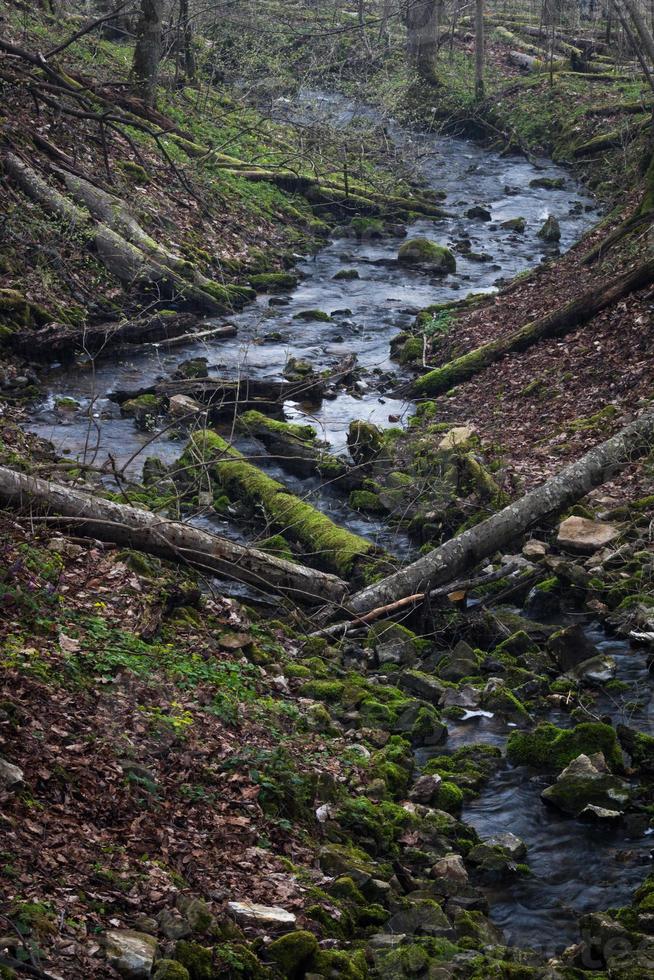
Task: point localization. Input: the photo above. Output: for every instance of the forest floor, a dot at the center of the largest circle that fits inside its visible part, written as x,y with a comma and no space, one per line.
178,750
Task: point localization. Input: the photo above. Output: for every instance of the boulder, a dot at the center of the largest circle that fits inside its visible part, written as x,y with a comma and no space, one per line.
585,536
130,953
597,670
180,405
585,781
428,254
424,917
467,697
461,662
550,230
452,868
571,646
514,224
535,549
364,441
457,436
425,789
421,685
482,214
262,916
11,776
194,367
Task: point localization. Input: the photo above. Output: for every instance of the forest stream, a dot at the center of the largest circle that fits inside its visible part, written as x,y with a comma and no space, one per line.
575,867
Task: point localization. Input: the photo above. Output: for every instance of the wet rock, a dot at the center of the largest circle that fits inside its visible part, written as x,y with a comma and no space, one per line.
597,670
585,781
194,367
498,852
347,274
514,224
130,953
511,191
467,697
11,776
296,368
182,405
548,183
550,230
425,918
593,812
262,916
425,789
364,441
422,723
478,212
476,926
461,662
571,646
422,685
430,255
585,536
452,868
496,697
309,315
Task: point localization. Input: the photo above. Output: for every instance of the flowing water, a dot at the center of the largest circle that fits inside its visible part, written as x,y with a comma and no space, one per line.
575,867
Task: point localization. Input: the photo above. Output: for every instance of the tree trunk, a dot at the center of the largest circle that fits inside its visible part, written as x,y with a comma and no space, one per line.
136,528
479,50
555,324
147,52
452,558
124,260
639,22
422,23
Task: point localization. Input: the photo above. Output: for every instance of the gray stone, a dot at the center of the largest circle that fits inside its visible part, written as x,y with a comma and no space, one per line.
173,924
452,868
181,405
585,782
387,940
422,685
550,230
11,776
130,953
425,789
264,916
598,670
570,647
466,696
584,536
424,917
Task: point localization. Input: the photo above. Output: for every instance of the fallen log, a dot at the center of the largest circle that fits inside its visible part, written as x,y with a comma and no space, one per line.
631,224
133,527
207,455
122,259
60,339
495,533
224,396
555,324
298,450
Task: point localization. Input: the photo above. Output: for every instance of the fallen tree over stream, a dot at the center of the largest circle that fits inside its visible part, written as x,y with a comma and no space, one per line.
132,527
451,559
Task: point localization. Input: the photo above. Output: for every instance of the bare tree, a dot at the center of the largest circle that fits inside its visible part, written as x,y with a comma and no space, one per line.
147,53
479,49
422,19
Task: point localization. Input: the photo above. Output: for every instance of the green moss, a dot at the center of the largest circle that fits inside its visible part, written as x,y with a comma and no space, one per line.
318,315
143,403
411,351
450,798
552,748
376,825
336,963
514,224
364,227
253,420
271,282
367,501
170,970
276,545
331,546
346,274
345,889
292,952
422,251
331,691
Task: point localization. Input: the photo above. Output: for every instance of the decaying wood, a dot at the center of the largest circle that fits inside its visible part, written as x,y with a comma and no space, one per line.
136,528
498,531
124,260
555,324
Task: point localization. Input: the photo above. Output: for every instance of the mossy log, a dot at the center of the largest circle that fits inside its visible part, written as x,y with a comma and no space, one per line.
124,260
61,340
609,141
224,396
466,550
140,529
324,543
555,324
298,450
631,224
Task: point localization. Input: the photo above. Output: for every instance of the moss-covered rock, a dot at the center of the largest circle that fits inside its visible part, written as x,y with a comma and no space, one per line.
170,970
550,231
423,252
272,282
291,953
340,965
551,748
365,441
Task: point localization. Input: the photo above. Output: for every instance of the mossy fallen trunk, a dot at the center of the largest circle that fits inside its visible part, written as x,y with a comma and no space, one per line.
451,559
123,259
323,542
297,449
555,324
140,529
